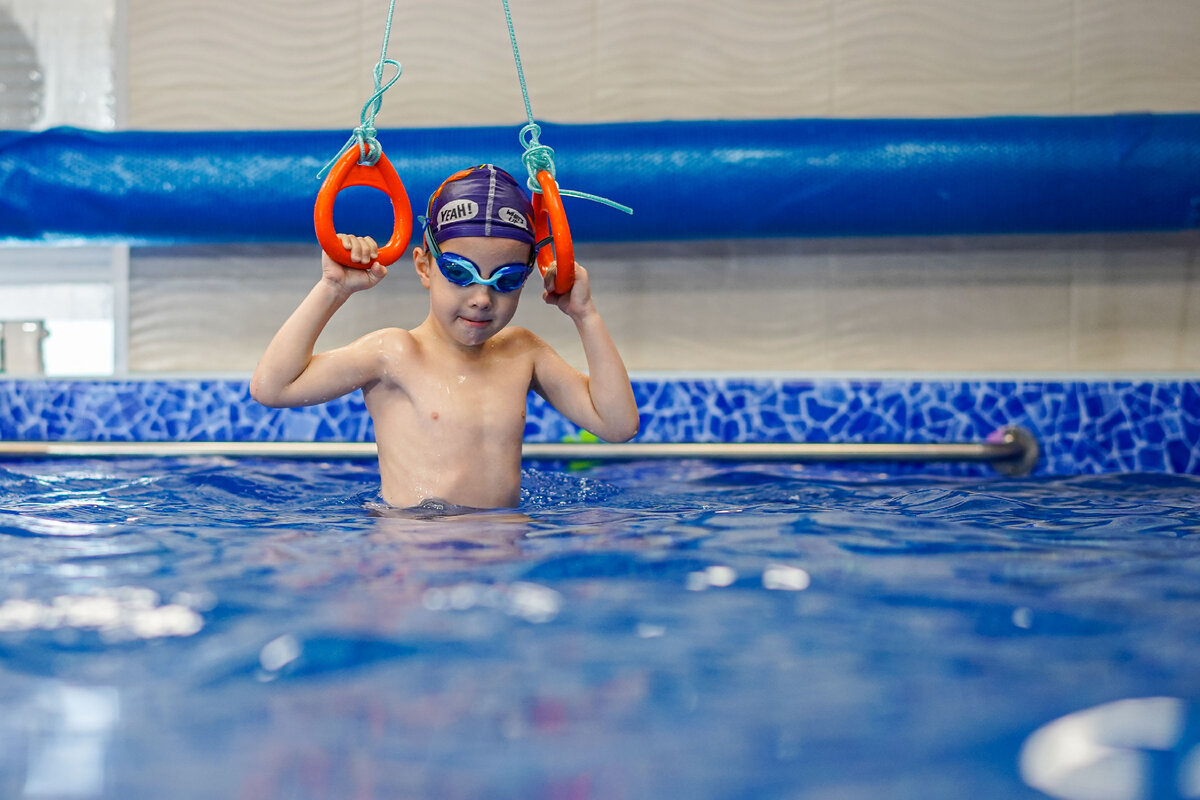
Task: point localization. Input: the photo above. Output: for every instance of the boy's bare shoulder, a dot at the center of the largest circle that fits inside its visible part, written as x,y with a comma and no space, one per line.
394,351
519,338
389,343
390,337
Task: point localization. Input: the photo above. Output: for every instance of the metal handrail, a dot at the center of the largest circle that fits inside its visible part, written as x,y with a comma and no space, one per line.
1013,450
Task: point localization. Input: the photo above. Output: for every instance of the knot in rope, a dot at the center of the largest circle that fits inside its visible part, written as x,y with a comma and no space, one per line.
537,156
369,149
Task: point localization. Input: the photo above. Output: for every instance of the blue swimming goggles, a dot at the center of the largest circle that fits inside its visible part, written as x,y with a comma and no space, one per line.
462,271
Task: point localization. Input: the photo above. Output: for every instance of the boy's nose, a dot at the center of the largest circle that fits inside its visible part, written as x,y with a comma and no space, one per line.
481,296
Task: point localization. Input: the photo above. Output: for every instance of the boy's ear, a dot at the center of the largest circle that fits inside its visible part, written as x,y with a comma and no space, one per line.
424,263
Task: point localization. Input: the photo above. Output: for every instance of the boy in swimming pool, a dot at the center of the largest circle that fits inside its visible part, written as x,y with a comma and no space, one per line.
448,397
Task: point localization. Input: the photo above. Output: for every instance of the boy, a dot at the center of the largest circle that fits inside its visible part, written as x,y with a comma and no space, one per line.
448,397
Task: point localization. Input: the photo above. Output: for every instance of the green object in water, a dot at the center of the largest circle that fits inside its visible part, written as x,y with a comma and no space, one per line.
580,437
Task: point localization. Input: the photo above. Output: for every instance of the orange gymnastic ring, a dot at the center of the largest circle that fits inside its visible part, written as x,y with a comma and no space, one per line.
549,218
381,175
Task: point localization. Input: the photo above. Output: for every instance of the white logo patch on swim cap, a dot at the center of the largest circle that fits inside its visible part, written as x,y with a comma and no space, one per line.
511,216
457,211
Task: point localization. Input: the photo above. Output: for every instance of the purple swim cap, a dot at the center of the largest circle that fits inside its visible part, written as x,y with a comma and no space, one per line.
480,201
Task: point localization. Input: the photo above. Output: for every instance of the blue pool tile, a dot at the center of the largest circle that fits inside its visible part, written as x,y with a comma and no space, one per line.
1083,426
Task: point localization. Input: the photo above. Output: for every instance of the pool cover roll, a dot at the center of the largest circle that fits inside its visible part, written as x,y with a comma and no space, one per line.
685,180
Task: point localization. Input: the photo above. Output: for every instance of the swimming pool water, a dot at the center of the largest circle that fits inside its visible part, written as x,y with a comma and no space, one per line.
216,628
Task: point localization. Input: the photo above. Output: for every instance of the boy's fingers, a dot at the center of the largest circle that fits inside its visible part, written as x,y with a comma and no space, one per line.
362,251
370,250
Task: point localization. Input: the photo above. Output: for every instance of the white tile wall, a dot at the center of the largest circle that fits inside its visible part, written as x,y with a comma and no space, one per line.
998,304
286,64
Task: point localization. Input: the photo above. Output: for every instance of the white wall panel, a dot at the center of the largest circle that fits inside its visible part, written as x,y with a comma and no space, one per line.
224,64
995,304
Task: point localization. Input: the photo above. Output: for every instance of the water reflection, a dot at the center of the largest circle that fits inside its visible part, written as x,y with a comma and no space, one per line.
69,728
1132,749
119,614
529,601
447,541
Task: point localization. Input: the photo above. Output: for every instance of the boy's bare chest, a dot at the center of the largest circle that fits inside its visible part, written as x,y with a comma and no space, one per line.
486,396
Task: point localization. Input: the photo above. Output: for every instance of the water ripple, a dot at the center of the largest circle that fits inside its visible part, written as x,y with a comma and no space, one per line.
763,619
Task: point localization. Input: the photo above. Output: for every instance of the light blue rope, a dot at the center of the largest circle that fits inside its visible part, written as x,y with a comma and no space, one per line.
369,149
537,156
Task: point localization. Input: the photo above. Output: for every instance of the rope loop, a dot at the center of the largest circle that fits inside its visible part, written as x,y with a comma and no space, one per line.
369,149
375,101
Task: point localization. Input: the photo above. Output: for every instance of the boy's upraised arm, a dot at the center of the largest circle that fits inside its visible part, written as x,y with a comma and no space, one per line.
288,373
601,401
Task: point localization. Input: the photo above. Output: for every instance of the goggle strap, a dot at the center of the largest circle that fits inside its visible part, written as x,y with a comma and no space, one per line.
427,236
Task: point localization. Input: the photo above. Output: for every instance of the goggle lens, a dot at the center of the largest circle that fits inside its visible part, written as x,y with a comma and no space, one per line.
456,273
511,281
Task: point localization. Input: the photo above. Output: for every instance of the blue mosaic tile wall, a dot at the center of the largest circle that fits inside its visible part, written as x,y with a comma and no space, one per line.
1082,426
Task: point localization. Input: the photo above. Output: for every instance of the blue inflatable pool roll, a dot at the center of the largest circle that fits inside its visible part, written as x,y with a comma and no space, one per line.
685,180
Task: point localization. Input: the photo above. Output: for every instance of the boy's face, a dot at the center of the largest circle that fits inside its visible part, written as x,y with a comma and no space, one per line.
471,314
